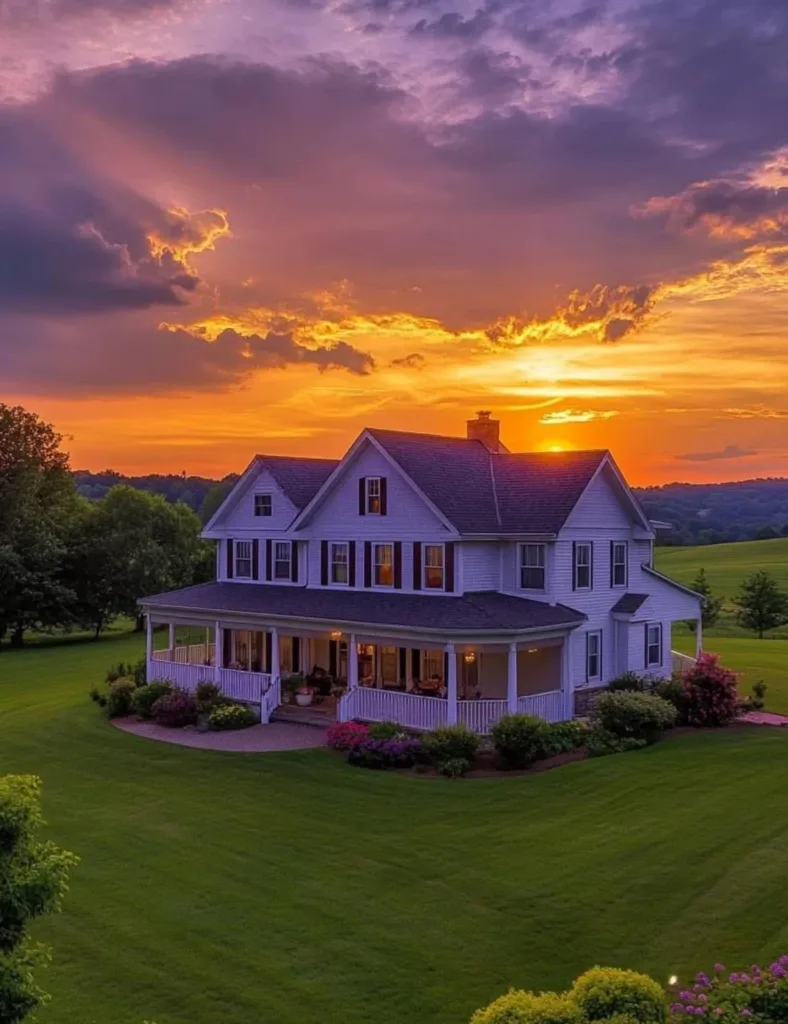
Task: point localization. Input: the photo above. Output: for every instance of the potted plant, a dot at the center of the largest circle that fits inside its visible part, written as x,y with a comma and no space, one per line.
303,696
290,683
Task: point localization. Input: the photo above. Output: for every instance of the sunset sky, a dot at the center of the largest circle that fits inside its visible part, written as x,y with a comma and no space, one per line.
230,226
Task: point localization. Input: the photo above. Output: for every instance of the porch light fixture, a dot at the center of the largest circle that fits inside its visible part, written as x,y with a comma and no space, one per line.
336,634
532,650
470,657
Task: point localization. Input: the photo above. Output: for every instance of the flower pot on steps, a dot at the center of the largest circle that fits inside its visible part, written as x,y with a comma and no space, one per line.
303,698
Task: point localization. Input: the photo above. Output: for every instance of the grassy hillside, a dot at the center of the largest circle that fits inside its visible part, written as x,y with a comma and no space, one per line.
726,565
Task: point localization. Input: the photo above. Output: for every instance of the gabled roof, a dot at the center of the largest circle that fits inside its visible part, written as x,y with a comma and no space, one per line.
483,492
628,604
300,479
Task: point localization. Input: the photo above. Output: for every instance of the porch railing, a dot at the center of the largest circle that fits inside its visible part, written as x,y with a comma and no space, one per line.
680,662
548,706
191,654
481,715
408,709
249,687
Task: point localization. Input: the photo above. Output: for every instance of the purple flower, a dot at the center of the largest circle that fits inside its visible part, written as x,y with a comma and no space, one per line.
746,1013
677,1008
733,978
719,968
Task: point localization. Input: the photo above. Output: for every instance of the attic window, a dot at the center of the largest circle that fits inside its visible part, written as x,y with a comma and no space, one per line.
263,506
373,496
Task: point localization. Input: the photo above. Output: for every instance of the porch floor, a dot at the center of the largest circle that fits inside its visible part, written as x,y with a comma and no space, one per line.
318,715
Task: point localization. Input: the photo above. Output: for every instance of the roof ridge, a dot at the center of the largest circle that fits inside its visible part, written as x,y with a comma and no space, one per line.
495,490
298,458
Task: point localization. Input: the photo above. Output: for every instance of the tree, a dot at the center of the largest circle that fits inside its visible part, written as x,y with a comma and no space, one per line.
37,499
33,881
215,496
762,605
711,605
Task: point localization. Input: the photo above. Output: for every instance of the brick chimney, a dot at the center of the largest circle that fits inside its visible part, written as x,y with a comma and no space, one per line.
486,430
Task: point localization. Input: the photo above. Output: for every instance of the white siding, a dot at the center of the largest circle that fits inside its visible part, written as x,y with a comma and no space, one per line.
479,565
239,519
601,508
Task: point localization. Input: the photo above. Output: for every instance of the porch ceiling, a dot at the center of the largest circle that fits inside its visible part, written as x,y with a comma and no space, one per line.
483,613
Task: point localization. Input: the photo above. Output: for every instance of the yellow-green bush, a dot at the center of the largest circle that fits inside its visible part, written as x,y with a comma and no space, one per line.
519,1007
605,992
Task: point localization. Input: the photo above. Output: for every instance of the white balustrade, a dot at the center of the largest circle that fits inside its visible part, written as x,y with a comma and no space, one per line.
407,709
246,686
270,700
548,706
481,715
680,662
236,684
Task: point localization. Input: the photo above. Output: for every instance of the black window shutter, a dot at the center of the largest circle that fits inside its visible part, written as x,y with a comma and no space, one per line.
574,587
403,663
296,642
268,559
591,565
445,668
415,663
612,563
351,569
645,645
398,565
255,559
324,563
417,565
362,496
367,563
333,661
229,559
294,561
268,651
449,569
227,647
587,643
601,655
383,496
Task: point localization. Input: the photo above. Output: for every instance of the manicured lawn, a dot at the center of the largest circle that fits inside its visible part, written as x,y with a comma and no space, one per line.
726,565
754,659
231,889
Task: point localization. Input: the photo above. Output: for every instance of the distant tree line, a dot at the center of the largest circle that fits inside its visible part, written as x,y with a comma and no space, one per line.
201,494
68,562
760,604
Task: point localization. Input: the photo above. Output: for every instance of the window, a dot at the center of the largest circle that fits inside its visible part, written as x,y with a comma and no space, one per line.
583,570
618,563
384,565
243,559
532,566
653,644
339,564
433,567
594,655
282,559
263,505
373,496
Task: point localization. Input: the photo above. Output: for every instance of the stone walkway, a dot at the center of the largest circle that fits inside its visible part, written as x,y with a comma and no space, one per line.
258,739
764,718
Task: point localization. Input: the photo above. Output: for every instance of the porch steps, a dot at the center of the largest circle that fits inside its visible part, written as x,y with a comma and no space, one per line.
294,715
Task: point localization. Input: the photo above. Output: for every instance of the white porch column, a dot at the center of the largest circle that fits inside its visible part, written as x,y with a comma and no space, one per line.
451,686
567,683
699,638
511,680
217,666
352,662
171,637
148,640
275,664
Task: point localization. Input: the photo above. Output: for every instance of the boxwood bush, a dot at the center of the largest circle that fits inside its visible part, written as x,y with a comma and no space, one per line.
519,1007
604,992
519,740
639,716
232,716
145,697
452,743
120,697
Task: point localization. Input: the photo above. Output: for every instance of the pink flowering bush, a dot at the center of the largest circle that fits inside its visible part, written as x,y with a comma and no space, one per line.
347,735
755,996
710,692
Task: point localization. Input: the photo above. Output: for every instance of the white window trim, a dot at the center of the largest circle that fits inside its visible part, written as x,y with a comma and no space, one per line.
442,587
598,677
260,515
379,495
338,544
237,557
520,567
578,545
274,560
613,584
382,544
649,645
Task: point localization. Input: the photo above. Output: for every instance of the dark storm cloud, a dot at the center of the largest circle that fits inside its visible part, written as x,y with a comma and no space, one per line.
725,208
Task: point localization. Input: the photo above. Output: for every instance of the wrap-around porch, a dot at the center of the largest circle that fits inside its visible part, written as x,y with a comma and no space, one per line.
420,682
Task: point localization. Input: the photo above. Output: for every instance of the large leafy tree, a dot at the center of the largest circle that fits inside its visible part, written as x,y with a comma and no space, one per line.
761,603
33,881
37,500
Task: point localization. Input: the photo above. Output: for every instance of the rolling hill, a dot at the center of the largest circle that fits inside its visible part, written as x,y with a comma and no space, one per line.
726,565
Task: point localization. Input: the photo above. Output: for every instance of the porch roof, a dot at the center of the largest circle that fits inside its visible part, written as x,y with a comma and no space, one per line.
485,611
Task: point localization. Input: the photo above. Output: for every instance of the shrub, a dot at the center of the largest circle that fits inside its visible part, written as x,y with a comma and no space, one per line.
145,697
519,740
454,767
370,753
563,737
175,709
758,994
758,695
640,716
600,742
119,698
710,692
452,743
139,672
232,716
387,731
672,690
518,1007
97,696
208,696
344,735
604,992
119,671
629,681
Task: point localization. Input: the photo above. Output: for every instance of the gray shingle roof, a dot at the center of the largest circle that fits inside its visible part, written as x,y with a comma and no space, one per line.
478,612
483,492
628,604
300,479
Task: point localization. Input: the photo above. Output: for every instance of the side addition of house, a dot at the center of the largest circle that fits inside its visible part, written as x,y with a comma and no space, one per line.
426,580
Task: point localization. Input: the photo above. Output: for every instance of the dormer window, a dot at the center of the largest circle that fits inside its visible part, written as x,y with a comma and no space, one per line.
373,495
263,505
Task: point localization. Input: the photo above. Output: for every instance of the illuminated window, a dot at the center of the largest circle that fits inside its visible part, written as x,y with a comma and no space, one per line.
433,567
384,565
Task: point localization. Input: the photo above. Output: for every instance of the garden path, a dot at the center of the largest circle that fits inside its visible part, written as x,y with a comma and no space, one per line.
257,739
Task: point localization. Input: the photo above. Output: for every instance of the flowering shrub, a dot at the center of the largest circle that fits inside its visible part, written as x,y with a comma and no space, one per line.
710,692
232,716
519,1007
344,735
604,992
757,996
146,696
175,710
370,753
631,715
